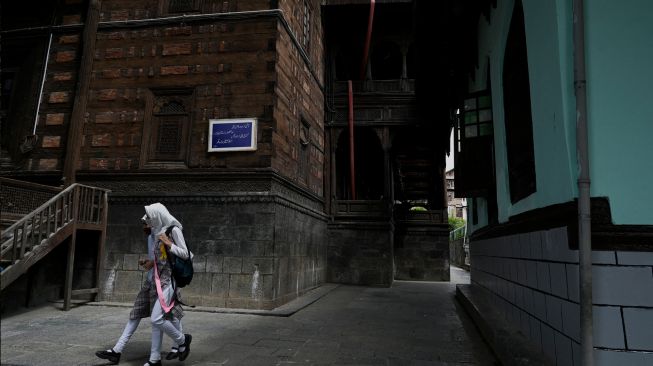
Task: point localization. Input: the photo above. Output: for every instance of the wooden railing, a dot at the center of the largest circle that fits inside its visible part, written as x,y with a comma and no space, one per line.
28,240
362,209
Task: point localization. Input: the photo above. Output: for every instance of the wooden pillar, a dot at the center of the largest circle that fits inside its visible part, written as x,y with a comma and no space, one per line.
334,189
104,217
81,93
387,171
70,263
386,144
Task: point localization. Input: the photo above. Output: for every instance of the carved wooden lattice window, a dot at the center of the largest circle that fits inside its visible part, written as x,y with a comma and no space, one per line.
306,26
167,132
180,6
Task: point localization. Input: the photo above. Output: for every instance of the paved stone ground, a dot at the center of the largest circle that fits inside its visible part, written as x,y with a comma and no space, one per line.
412,323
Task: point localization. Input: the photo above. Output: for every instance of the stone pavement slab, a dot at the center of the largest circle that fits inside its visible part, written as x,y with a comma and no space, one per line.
411,323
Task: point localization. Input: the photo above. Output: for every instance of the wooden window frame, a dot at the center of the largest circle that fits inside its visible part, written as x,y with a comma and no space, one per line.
157,102
474,153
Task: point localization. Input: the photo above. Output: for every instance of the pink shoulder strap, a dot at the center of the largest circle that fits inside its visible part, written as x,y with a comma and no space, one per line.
162,300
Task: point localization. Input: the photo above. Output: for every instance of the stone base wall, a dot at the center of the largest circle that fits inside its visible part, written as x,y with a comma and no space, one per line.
251,250
361,253
534,281
422,252
300,253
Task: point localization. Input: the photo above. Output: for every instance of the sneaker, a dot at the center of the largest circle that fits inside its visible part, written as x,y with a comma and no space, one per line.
110,354
174,353
184,354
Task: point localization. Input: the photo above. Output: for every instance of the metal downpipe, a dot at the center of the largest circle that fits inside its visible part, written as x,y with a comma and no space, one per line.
584,214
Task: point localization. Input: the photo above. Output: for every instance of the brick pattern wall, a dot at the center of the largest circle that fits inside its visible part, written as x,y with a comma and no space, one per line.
534,277
226,66
58,95
293,11
298,97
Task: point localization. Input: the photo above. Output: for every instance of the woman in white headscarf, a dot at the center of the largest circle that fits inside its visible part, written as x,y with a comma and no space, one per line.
162,293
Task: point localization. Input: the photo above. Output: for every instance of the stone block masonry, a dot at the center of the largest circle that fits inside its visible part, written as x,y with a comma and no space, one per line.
534,279
361,253
249,252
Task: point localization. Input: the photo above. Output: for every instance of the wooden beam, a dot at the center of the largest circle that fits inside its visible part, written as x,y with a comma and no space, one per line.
85,291
70,263
99,265
81,94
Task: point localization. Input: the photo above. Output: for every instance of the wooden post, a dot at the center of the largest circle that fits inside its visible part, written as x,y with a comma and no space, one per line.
387,167
352,168
70,263
81,93
103,215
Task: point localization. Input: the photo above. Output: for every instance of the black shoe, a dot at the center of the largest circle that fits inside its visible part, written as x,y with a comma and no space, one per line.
150,363
183,354
173,354
111,355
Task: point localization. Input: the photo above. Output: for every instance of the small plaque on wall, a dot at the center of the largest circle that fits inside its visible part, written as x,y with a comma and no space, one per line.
237,134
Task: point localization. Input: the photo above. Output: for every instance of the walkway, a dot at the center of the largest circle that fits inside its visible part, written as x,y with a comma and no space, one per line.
412,323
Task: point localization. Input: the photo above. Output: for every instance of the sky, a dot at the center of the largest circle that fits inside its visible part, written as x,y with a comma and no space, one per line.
450,157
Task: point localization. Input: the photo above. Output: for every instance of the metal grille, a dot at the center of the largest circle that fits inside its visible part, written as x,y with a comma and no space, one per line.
172,108
19,200
169,136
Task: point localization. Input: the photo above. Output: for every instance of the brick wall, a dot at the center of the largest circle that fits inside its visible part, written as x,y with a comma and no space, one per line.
299,103
57,99
534,277
225,65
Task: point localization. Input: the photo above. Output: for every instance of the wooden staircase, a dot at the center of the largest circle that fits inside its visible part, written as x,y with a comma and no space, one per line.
32,237
417,173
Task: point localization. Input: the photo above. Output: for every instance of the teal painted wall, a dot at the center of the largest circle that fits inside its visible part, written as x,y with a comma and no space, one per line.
548,33
619,46
619,40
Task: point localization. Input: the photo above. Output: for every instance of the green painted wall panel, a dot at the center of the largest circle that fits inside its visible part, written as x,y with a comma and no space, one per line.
620,106
552,103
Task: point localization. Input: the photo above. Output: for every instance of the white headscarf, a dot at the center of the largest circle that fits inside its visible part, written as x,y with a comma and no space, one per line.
159,218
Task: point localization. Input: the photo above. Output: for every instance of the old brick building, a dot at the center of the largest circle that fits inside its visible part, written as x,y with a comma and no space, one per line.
119,94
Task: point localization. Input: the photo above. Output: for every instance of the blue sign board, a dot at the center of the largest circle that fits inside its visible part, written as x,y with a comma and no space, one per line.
238,134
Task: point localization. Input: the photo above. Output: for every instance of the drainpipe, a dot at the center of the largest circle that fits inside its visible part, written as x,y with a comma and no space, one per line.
352,171
584,216
45,71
